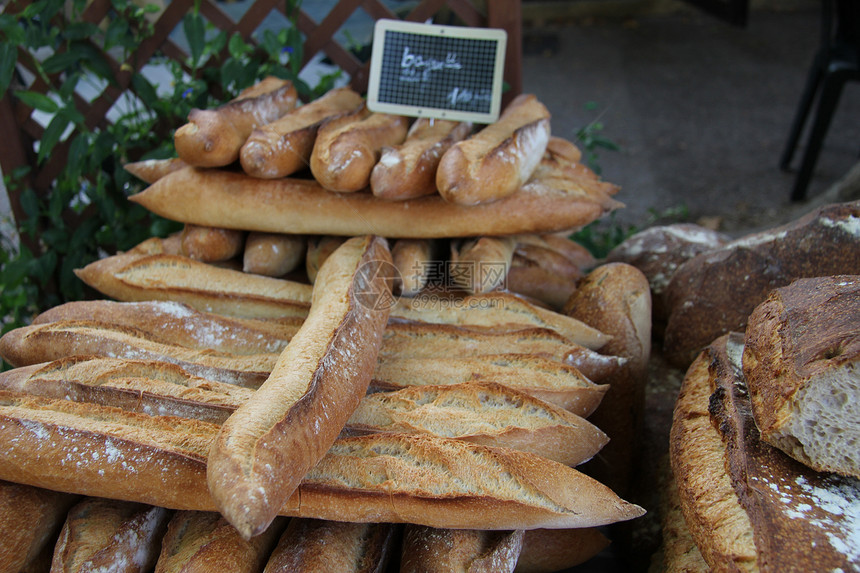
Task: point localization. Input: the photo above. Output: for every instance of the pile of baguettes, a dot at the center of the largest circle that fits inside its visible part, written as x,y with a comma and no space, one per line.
765,441
213,411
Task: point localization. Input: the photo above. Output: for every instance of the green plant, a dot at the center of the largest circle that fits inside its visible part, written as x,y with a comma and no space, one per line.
84,213
591,140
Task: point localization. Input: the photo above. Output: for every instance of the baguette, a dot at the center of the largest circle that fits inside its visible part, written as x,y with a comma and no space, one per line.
105,534
284,146
129,278
210,244
433,550
273,254
319,249
347,148
170,245
213,138
151,170
413,259
33,344
265,448
495,162
408,171
431,480
542,273
200,541
549,550
322,545
498,311
481,265
801,366
144,386
220,198
553,382
578,255
483,413
30,521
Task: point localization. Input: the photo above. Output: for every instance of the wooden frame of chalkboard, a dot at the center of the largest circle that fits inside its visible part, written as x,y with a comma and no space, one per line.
427,70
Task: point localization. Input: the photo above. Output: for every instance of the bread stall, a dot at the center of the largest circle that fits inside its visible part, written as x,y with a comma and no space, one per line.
371,346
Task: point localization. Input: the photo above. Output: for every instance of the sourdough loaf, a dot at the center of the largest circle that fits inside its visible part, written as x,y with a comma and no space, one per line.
715,292
802,367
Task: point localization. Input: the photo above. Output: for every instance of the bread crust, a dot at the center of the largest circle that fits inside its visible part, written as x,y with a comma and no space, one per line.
434,550
413,260
347,148
481,265
500,158
211,244
408,170
273,254
213,137
549,550
151,170
796,342
265,448
283,146
288,205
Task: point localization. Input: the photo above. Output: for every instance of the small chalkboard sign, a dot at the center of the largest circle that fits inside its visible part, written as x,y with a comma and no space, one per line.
426,70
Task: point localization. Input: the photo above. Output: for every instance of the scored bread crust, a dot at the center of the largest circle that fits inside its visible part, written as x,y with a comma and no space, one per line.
717,522
800,361
433,550
290,205
132,277
161,460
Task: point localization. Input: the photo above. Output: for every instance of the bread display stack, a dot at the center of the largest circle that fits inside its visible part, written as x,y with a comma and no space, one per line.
371,344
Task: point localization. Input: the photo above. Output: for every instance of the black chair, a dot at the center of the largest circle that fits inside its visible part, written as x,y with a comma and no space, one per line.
836,62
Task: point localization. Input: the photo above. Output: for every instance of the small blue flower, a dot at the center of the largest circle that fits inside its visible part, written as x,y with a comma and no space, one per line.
187,93
288,49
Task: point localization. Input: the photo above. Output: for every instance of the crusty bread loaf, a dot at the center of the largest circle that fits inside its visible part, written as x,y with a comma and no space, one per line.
180,324
784,499
170,245
44,342
203,541
210,244
283,146
145,386
615,299
549,550
129,278
273,254
563,245
498,311
268,444
109,535
408,170
430,480
541,272
548,380
322,545
213,137
221,198
483,413
659,251
715,292
678,553
802,367
413,259
151,170
30,520
347,148
480,265
717,522
497,160
319,249
433,550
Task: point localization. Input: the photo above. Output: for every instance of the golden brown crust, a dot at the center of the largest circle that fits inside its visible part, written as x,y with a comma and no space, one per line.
283,147
102,533
202,541
413,260
265,448
224,199
433,550
408,170
497,160
273,254
346,151
211,244
322,545
480,265
549,550
213,138
151,170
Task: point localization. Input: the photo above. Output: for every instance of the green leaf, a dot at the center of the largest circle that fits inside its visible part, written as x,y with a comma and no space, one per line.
8,58
76,31
51,135
61,62
43,267
195,32
144,90
38,101
95,61
237,46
